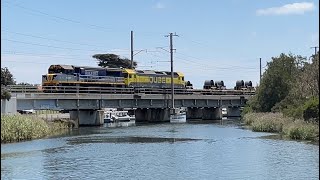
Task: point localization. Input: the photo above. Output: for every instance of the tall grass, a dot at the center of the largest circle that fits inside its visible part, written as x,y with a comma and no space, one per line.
24,127
276,122
302,130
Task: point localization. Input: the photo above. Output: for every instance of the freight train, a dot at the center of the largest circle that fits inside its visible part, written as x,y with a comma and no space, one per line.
84,76
66,77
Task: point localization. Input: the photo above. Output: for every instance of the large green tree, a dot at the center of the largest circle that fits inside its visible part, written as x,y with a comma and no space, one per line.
113,61
277,81
289,85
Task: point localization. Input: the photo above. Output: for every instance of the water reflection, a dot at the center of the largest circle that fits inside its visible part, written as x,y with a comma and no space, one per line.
126,139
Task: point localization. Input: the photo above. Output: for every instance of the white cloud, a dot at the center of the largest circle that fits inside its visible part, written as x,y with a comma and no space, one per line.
294,8
159,5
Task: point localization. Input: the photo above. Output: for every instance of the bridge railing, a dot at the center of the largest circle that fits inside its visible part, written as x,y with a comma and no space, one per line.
22,88
114,90
87,90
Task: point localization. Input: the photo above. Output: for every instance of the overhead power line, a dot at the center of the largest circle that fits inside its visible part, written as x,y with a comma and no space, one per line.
41,37
56,47
69,20
206,65
57,17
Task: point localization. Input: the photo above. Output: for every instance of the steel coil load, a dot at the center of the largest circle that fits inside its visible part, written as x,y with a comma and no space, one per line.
248,84
239,85
208,84
219,84
188,85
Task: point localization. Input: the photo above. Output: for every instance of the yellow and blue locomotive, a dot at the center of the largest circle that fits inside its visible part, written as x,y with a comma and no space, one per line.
84,76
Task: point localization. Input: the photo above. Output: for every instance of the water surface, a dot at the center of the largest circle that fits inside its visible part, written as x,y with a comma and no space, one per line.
161,151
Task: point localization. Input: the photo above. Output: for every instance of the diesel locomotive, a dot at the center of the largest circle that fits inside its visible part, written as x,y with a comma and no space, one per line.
84,76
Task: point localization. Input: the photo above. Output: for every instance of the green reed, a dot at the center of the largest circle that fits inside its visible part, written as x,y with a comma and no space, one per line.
16,128
277,123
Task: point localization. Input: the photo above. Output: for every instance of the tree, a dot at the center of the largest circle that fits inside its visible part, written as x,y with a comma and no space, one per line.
277,81
6,77
311,109
290,85
113,61
5,94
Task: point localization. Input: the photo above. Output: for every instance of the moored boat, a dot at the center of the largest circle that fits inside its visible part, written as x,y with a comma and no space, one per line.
113,115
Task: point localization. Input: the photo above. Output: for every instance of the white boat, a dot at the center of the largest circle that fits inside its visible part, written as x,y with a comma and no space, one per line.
179,117
120,124
224,112
113,115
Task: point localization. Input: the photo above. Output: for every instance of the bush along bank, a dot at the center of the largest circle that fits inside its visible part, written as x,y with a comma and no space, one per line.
23,127
296,129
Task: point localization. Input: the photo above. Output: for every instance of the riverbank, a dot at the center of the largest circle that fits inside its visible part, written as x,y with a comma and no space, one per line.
15,128
276,123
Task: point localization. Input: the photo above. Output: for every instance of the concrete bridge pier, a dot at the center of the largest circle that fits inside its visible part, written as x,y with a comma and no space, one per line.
194,113
211,113
152,115
233,111
88,117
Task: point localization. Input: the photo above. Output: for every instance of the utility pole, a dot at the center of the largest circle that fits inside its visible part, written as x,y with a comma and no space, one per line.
315,50
260,72
131,50
171,60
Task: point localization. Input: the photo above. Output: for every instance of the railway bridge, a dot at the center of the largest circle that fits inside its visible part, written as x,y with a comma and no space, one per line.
85,105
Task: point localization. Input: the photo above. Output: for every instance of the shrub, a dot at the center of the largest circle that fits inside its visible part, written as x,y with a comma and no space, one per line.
301,130
269,122
276,122
311,109
5,94
19,127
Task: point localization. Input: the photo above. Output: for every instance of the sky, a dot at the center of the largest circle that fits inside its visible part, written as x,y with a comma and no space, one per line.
217,40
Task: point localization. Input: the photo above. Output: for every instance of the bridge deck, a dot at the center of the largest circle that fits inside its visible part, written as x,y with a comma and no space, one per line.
128,98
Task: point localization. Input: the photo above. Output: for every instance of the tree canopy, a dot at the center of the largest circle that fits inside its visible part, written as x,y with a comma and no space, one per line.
290,85
6,77
113,61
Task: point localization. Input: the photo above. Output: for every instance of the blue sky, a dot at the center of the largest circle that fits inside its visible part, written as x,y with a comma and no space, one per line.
218,40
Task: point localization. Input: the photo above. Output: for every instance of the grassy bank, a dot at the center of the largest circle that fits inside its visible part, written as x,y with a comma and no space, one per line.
24,127
277,123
